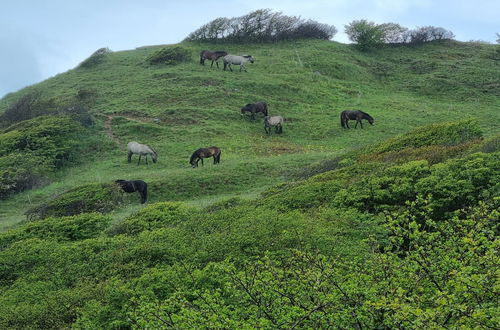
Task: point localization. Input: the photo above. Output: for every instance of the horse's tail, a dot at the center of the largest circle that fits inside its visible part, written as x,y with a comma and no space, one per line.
144,193
265,108
218,156
342,121
201,57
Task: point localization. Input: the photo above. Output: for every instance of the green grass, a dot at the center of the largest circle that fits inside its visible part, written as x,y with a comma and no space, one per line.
179,108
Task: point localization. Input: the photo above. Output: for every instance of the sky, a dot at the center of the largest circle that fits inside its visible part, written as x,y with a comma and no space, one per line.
41,38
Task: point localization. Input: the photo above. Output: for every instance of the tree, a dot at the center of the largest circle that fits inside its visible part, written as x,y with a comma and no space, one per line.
365,34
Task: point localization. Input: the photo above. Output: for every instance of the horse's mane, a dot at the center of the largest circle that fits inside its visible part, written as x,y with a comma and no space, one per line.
367,115
193,156
151,149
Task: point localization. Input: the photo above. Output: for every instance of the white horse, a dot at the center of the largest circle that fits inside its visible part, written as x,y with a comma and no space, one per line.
141,150
276,121
237,60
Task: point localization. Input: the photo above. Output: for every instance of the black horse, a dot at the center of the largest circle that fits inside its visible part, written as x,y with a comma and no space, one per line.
205,153
356,115
213,56
254,108
133,186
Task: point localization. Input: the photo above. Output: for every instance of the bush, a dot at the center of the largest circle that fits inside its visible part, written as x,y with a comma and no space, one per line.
445,134
98,197
32,149
261,25
70,228
152,217
33,105
170,55
95,59
426,34
365,34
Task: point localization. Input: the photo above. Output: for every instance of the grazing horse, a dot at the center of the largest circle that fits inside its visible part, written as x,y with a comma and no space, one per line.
236,60
253,108
356,115
213,56
135,185
141,150
204,153
276,121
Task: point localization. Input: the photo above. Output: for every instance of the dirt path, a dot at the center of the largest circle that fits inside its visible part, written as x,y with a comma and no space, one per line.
109,130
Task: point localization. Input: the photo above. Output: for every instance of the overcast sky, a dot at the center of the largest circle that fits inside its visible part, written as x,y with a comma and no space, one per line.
40,38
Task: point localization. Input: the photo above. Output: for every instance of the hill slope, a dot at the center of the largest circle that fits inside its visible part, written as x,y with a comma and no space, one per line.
319,227
179,108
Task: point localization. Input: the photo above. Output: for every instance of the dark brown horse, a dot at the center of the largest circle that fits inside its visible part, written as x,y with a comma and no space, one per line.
131,186
213,56
254,108
205,153
356,115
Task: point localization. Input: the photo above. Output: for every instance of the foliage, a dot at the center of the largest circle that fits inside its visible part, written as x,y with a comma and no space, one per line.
32,149
426,34
365,34
262,25
153,216
71,228
97,57
368,35
170,56
447,134
34,104
95,197
446,277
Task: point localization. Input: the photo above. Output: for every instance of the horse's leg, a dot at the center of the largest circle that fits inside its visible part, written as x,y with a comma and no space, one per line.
211,65
139,159
230,68
202,162
217,63
129,156
147,160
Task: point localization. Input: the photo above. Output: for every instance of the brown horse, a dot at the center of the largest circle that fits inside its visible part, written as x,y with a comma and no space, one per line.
205,153
213,56
356,115
253,108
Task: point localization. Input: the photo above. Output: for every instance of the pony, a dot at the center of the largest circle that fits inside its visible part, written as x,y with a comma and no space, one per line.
253,108
135,185
236,60
205,153
276,121
356,115
141,150
213,56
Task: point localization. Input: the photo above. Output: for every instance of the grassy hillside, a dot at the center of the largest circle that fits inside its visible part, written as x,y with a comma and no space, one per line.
179,108
390,226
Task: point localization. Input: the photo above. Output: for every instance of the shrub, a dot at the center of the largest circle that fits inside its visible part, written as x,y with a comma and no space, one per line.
98,197
152,217
95,59
32,149
445,134
170,55
426,34
365,34
261,25
71,228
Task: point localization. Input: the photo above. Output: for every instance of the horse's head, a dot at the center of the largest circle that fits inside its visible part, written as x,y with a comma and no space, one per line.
247,107
371,120
249,58
154,156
